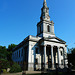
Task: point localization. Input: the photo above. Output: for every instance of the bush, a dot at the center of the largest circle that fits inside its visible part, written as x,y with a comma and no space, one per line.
15,68
4,70
4,63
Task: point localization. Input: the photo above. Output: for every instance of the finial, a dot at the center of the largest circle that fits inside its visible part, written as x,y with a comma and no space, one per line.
44,4
45,1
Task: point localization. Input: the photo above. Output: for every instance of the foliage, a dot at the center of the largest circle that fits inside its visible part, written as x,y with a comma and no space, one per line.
10,48
3,58
6,56
3,52
4,70
15,68
4,63
71,57
71,51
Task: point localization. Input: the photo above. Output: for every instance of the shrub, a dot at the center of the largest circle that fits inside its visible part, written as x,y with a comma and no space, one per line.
4,70
15,68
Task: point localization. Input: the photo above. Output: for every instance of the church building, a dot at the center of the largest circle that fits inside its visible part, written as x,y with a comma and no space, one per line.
44,48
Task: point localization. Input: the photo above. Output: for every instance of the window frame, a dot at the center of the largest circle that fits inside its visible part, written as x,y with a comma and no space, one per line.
48,28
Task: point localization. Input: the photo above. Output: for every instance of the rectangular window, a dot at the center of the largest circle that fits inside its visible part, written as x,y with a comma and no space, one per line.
61,62
15,55
48,28
61,53
36,61
19,53
40,28
36,51
22,53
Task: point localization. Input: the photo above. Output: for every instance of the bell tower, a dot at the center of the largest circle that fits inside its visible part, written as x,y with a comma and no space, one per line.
45,28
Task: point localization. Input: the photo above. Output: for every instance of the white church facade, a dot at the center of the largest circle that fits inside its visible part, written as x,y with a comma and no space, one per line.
44,48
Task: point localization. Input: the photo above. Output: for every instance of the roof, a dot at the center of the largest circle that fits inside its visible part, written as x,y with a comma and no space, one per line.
39,39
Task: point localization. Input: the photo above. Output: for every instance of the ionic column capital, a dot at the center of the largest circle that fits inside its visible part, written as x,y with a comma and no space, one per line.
44,45
58,46
52,45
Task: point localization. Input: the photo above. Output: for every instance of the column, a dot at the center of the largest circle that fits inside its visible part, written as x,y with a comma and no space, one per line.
45,56
65,56
52,58
58,57
29,58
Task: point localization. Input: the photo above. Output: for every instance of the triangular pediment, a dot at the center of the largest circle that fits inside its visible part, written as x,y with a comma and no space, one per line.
52,39
56,39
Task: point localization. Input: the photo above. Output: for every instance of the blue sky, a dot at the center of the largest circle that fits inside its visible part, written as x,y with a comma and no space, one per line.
18,19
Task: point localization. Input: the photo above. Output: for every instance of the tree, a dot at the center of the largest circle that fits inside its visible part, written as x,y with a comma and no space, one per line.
10,48
71,51
6,56
3,58
71,56
3,52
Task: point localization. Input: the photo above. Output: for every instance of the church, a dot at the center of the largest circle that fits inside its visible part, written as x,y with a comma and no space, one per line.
44,48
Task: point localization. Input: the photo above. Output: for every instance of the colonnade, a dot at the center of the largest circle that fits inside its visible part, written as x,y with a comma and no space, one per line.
52,56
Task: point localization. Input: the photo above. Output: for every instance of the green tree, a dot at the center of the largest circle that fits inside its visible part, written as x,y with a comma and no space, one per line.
3,52
71,56
3,58
10,48
71,51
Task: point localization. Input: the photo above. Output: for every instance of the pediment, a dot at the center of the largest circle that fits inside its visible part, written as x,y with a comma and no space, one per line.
56,39
52,39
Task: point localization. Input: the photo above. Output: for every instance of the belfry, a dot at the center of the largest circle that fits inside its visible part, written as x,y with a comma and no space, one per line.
44,48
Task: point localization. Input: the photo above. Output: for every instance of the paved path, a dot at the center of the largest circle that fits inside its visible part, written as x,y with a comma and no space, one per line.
20,73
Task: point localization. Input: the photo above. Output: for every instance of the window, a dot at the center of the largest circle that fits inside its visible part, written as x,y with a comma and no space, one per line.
36,61
15,55
48,28
61,53
61,62
19,53
40,28
22,53
36,50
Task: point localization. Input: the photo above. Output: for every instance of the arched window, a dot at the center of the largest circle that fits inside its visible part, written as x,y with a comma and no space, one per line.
48,28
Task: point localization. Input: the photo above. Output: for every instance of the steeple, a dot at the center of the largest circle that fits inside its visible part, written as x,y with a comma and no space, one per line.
45,28
44,4
45,12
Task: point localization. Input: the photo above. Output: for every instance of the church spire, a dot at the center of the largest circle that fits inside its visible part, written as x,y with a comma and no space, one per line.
45,12
44,4
45,28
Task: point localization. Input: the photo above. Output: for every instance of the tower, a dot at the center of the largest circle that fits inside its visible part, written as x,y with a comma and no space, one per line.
45,28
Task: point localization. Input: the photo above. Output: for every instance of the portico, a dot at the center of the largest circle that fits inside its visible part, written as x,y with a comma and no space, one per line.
52,55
